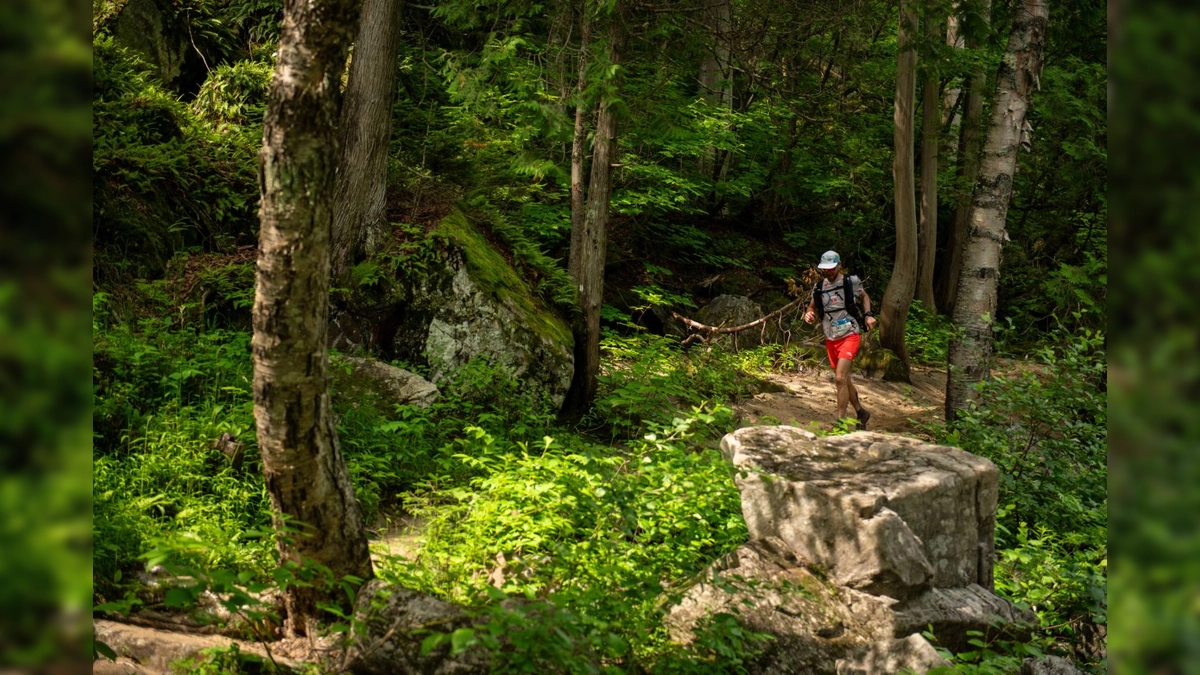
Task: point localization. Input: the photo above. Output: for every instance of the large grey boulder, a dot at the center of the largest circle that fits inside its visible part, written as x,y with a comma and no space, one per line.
858,543
466,303
366,378
883,514
737,310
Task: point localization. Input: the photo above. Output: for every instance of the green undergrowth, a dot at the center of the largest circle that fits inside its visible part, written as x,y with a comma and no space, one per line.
597,536
594,529
1045,425
168,176
647,379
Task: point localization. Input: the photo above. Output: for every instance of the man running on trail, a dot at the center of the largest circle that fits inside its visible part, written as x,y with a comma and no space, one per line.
842,315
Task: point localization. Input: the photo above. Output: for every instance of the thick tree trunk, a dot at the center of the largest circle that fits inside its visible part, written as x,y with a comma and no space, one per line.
969,141
899,294
586,261
931,127
306,477
975,310
360,213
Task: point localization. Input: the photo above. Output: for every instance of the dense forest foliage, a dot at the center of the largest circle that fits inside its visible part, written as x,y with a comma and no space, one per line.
732,182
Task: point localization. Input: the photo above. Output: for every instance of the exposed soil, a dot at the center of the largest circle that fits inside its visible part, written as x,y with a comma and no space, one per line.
400,536
809,401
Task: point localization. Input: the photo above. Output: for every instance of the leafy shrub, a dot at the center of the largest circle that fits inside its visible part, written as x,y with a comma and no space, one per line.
394,451
171,485
927,336
1062,577
647,379
162,181
598,532
234,96
1046,428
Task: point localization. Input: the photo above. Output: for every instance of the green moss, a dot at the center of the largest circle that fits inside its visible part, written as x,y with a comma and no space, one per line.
496,277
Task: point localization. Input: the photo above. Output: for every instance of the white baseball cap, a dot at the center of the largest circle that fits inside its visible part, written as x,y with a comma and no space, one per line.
829,260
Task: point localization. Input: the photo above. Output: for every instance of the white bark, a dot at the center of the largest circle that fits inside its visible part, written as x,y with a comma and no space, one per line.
975,308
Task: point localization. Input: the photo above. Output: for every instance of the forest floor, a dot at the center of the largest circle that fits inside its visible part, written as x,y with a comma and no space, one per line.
809,401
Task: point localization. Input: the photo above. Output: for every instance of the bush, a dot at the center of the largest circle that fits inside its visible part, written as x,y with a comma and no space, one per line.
647,379
600,533
234,97
1045,425
1046,428
927,336
162,180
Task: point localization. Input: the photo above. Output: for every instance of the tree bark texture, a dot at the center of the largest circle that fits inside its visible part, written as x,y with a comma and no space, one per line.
360,213
975,309
305,474
954,38
586,262
579,140
969,141
899,294
931,127
716,78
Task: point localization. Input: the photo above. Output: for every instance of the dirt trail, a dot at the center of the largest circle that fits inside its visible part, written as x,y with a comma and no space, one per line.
809,401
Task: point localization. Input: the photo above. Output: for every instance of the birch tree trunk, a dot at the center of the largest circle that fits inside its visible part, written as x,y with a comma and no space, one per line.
931,122
360,213
589,248
311,495
969,140
899,294
975,309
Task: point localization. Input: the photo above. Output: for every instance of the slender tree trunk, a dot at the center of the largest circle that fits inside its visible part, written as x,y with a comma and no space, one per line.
586,262
899,294
716,78
969,141
311,494
975,311
954,38
360,213
579,140
931,127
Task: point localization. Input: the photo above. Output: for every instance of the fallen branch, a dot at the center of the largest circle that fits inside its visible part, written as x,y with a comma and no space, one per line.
706,333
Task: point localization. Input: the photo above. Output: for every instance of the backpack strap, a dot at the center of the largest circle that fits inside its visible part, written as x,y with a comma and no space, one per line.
847,292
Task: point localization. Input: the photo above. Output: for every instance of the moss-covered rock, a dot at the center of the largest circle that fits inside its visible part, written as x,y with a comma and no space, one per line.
463,302
158,31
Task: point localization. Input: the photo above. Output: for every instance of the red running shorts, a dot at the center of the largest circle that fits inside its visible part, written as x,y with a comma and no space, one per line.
844,348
